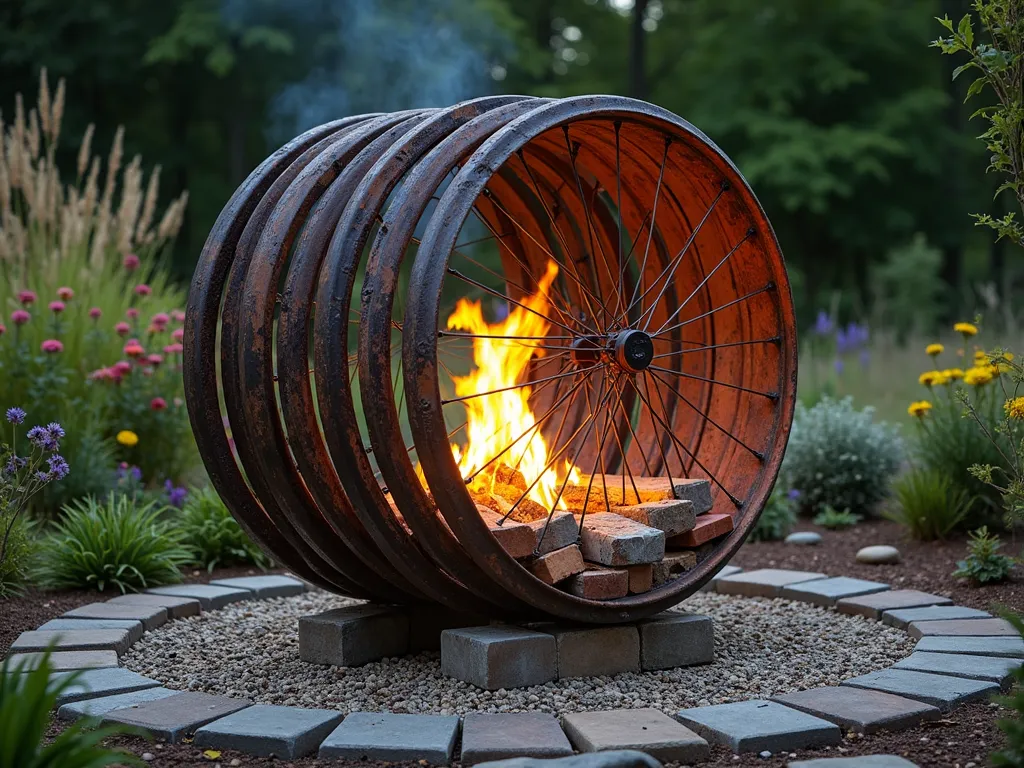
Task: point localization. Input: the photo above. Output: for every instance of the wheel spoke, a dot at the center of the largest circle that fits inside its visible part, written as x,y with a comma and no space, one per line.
769,395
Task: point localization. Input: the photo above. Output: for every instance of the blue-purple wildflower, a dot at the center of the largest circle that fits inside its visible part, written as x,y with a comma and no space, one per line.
793,494
16,415
823,324
58,467
175,495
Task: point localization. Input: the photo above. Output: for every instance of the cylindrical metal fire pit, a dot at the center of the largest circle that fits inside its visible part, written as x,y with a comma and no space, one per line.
411,333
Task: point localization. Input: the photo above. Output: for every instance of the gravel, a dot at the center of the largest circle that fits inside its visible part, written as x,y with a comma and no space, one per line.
762,648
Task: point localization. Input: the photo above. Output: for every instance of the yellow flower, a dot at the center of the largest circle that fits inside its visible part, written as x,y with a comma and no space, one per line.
980,357
934,349
967,329
953,374
930,378
979,375
1014,408
127,437
921,408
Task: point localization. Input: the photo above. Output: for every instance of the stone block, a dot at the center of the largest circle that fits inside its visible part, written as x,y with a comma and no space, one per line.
941,691
520,734
498,656
100,706
757,725
765,582
673,565
861,761
349,637
72,640
672,516
676,640
994,669
976,646
708,527
902,618
558,565
62,661
598,583
725,571
826,592
264,587
110,681
614,540
620,758
962,627
265,730
873,606
177,607
640,578
428,621
132,627
698,492
210,597
617,489
384,736
151,616
562,530
860,709
173,718
595,651
518,539
644,730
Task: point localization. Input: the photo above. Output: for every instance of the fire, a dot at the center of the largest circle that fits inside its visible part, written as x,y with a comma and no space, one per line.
495,420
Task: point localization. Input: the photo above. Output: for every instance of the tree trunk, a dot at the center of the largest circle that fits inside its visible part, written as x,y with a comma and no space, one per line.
638,51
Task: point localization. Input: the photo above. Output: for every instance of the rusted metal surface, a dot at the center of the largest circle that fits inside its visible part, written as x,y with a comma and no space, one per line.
316,355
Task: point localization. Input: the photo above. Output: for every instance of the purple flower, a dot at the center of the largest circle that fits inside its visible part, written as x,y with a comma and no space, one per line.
842,341
175,496
43,477
16,415
793,494
865,358
58,466
55,429
13,465
823,325
38,436
839,366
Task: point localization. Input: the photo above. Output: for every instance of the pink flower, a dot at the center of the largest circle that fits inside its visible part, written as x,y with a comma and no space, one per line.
178,334
173,349
143,290
123,367
65,293
57,307
157,404
26,297
102,374
155,359
122,329
177,316
3,329
160,319
154,329
20,317
133,348
52,346
132,313
131,262
95,313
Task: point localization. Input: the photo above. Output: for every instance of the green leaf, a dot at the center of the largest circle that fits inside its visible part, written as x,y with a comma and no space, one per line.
966,30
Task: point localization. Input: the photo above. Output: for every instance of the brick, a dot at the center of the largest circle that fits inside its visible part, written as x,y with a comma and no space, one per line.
901,618
151,616
428,621
498,656
132,627
209,596
860,710
349,637
827,592
598,583
562,530
708,527
672,516
644,730
109,681
942,691
1012,647
72,640
765,582
874,605
177,607
265,731
521,734
726,570
618,490
962,627
557,566
640,578
100,706
757,725
861,761
994,669
264,587
614,540
61,661
671,640
673,565
173,718
394,738
518,539
596,651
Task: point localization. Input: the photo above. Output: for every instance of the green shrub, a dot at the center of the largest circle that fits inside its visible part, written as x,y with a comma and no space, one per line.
835,520
214,535
1013,755
777,519
929,504
19,549
839,457
984,564
117,542
26,701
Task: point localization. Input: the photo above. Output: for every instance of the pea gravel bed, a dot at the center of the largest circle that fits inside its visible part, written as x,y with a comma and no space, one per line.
762,648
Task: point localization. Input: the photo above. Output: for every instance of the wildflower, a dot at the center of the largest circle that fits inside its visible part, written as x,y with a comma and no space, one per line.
978,375
65,293
919,409
967,329
155,359
43,477
122,328
173,349
178,334
953,374
823,325
58,466
26,297
127,438
95,313
131,262
132,313
102,374
3,329
57,307
177,316
125,472
175,496
157,404
133,348
143,290
793,494
20,317
123,367
934,350
1014,408
161,319
931,378
16,415
55,429
42,437
838,365
52,346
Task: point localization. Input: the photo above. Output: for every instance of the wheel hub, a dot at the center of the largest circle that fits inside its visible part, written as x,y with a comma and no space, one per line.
634,350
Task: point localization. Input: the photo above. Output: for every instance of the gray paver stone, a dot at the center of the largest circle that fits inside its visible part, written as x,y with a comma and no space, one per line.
727,570
264,587
265,730
764,582
859,709
942,691
611,539
72,640
620,758
132,626
872,606
995,669
386,736
757,725
962,627
348,637
209,596
151,616
826,592
645,730
977,646
177,607
174,717
110,681
862,761
901,618
520,734
558,531
676,640
104,704
498,656
595,651
61,661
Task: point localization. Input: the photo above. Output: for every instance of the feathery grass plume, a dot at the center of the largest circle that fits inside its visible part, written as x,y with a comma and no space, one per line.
34,139
148,205
57,115
85,149
44,102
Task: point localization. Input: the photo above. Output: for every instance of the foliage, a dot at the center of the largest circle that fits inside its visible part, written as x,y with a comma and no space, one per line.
114,543
19,550
907,288
1012,755
839,457
213,534
835,520
984,564
777,518
27,697
929,504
